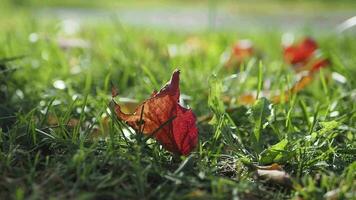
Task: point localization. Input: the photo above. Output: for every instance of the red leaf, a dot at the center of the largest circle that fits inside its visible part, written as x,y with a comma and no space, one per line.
300,53
303,56
320,63
164,119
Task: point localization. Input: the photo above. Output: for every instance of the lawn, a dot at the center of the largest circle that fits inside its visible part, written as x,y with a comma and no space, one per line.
60,137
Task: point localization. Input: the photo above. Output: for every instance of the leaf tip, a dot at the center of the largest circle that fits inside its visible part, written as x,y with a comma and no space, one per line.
114,90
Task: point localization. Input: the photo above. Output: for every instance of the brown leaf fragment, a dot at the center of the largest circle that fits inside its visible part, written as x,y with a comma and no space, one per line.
275,176
332,194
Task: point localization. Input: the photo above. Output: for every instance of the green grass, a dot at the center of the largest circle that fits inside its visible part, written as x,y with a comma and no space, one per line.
312,136
233,6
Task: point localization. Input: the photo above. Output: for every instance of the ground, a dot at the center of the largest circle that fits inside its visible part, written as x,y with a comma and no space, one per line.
59,138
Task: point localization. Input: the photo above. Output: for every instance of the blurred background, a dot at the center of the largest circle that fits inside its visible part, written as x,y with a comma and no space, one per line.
193,15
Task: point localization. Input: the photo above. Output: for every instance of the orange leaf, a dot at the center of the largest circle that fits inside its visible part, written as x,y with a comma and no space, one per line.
161,117
273,166
243,49
240,52
247,99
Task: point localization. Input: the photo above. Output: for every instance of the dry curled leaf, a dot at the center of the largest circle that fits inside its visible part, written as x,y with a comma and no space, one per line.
162,117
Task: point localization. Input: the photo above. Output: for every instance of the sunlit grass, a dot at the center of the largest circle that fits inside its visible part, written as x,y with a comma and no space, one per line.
42,155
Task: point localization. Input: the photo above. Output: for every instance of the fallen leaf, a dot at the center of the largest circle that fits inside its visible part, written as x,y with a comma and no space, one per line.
332,194
128,105
52,120
305,56
247,99
162,117
73,122
243,49
301,52
302,56
318,64
275,176
303,82
240,52
312,66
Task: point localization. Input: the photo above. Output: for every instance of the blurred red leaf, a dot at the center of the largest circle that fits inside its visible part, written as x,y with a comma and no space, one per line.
301,52
318,64
303,56
161,117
